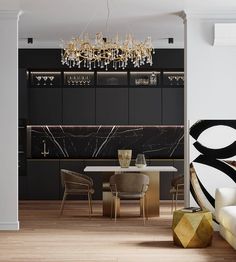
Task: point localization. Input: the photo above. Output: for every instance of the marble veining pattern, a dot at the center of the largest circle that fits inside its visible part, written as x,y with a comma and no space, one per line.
100,142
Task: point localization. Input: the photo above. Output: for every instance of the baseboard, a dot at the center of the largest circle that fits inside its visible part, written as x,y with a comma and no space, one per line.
9,225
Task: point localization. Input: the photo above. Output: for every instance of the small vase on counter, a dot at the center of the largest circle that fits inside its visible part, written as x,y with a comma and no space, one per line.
140,161
124,156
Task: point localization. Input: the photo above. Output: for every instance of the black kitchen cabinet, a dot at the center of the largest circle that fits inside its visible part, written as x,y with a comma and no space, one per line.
112,106
144,106
78,106
173,106
23,93
23,187
43,179
45,106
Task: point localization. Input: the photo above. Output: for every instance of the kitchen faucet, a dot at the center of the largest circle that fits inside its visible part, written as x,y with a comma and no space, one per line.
45,152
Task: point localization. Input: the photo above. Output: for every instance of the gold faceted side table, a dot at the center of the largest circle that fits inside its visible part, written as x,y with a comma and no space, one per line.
192,229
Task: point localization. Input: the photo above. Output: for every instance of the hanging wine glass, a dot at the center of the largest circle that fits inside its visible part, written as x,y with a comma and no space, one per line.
39,79
45,78
51,78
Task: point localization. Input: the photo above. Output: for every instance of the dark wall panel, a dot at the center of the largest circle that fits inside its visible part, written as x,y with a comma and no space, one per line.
43,179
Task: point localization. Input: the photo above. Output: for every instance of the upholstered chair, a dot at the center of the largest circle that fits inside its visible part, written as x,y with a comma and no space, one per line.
177,189
75,183
129,186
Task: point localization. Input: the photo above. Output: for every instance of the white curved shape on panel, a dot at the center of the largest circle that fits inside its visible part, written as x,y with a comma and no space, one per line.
217,137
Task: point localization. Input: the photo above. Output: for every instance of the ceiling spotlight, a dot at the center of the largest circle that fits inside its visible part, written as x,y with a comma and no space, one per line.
30,40
170,40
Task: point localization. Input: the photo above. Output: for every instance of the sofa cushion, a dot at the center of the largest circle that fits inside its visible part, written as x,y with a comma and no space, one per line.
227,218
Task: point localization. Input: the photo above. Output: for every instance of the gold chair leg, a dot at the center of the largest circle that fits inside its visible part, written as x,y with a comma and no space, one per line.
143,199
91,203
146,209
112,200
63,203
176,198
115,208
172,204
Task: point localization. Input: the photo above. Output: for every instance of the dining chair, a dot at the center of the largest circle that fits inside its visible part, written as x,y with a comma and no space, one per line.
129,186
177,189
76,184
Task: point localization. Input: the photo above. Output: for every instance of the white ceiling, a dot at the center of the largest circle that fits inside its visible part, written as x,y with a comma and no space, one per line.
49,21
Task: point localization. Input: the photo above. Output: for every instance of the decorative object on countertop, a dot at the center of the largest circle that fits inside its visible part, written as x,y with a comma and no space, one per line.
140,161
124,156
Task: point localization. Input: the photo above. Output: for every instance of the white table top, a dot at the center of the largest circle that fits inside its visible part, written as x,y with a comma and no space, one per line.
130,169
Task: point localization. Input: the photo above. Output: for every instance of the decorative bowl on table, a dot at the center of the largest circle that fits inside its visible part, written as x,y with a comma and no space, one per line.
124,156
140,161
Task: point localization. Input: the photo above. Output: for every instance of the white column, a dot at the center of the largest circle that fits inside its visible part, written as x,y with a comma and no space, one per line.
209,75
9,120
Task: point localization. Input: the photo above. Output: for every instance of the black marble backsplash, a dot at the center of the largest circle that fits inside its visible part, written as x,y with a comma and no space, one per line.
102,142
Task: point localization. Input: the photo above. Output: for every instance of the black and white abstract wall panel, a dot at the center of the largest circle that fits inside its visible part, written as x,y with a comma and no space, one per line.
212,159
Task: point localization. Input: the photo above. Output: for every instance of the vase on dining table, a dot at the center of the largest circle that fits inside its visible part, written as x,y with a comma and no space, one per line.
124,156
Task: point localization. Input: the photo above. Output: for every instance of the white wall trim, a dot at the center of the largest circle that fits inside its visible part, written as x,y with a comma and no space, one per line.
9,225
10,14
224,15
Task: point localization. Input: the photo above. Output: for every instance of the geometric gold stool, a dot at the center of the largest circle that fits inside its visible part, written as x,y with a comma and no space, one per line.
192,229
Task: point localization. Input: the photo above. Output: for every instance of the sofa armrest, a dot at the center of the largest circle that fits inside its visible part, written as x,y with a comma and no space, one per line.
225,196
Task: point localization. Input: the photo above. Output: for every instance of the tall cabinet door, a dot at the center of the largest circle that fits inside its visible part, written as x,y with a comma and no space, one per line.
173,106
78,106
112,106
145,106
45,106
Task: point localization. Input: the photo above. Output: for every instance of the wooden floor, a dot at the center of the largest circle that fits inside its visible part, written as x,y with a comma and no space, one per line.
74,237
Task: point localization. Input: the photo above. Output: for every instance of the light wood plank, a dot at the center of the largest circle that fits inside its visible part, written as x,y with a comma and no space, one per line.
44,236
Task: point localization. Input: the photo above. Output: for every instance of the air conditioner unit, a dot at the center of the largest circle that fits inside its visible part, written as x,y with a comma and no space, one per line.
225,34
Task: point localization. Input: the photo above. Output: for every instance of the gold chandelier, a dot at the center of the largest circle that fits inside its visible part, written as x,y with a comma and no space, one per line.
102,52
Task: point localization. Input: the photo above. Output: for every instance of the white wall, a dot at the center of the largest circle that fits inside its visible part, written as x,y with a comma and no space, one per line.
8,120
210,71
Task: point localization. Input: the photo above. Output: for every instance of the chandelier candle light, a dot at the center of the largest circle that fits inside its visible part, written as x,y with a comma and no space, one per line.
83,52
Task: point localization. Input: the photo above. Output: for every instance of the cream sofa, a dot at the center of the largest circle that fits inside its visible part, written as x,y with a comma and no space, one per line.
225,213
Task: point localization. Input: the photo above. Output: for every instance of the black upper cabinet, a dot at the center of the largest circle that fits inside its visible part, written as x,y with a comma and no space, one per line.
45,106
23,94
58,95
173,106
145,106
112,106
78,106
